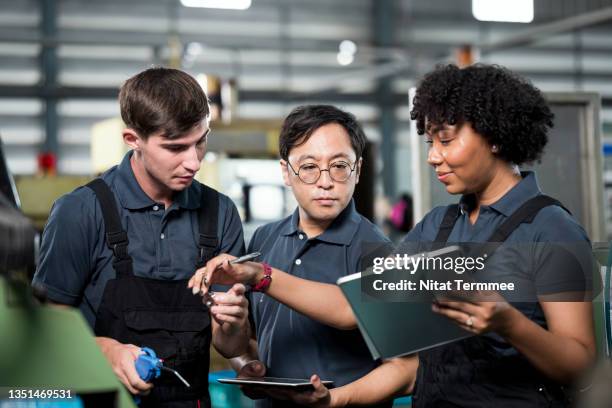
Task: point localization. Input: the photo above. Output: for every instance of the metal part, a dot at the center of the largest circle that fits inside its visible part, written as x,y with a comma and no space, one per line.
180,377
245,258
208,297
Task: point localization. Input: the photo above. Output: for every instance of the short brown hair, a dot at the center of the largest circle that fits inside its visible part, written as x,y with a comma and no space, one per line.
162,99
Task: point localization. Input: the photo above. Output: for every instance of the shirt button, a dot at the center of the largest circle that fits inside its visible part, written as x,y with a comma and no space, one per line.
162,236
298,261
301,236
155,208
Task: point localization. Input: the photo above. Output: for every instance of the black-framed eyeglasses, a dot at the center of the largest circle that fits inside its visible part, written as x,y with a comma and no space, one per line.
310,173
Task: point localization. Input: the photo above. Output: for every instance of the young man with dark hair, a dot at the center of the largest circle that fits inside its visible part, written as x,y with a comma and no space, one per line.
142,229
304,255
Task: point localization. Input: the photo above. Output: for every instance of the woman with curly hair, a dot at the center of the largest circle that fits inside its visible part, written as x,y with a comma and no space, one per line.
481,123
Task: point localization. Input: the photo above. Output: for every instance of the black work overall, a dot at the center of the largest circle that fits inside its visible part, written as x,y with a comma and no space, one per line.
161,314
470,373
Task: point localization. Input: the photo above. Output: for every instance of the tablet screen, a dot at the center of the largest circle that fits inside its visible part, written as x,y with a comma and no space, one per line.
272,381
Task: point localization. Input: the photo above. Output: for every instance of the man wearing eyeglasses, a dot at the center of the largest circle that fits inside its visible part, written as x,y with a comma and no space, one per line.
304,254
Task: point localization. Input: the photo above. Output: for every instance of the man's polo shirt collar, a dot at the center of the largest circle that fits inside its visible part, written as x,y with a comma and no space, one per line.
189,198
341,231
132,197
525,189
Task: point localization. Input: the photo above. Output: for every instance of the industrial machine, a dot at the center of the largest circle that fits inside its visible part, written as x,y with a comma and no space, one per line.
47,352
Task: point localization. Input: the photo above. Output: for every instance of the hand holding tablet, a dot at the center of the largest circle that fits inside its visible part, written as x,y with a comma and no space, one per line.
274,382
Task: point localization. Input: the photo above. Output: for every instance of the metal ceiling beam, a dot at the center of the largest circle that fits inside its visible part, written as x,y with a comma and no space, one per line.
68,92
49,70
375,72
533,34
132,38
527,37
71,92
57,92
384,30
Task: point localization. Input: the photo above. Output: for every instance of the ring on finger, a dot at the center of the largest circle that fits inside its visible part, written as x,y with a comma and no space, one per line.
470,321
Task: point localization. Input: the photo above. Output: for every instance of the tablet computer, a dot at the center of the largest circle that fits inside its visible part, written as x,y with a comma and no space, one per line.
294,383
392,327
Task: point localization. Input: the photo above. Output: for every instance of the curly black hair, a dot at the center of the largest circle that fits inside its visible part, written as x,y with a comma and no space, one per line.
507,110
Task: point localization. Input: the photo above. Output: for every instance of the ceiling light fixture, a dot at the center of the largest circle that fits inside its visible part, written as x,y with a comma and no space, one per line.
348,47
218,4
345,59
509,11
346,53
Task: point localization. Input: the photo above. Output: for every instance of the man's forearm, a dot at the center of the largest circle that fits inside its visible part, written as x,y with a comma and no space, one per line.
251,354
391,379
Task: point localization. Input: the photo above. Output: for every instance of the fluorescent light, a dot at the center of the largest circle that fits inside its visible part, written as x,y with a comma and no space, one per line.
345,59
511,11
348,47
194,48
218,4
346,55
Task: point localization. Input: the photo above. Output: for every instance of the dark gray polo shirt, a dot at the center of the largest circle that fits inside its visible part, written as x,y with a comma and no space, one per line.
291,344
75,262
520,259
551,224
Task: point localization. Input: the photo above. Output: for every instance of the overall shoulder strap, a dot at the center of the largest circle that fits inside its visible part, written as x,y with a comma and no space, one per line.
208,217
116,237
525,214
448,222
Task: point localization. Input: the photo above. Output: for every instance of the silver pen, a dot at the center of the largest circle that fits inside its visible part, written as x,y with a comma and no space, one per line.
208,296
245,258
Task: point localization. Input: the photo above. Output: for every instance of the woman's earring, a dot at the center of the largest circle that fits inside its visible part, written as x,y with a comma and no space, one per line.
494,148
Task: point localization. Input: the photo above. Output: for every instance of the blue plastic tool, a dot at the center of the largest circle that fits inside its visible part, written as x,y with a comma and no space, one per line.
149,366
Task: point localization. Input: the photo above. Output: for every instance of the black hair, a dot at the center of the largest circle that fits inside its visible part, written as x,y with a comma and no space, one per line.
162,99
300,124
506,109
